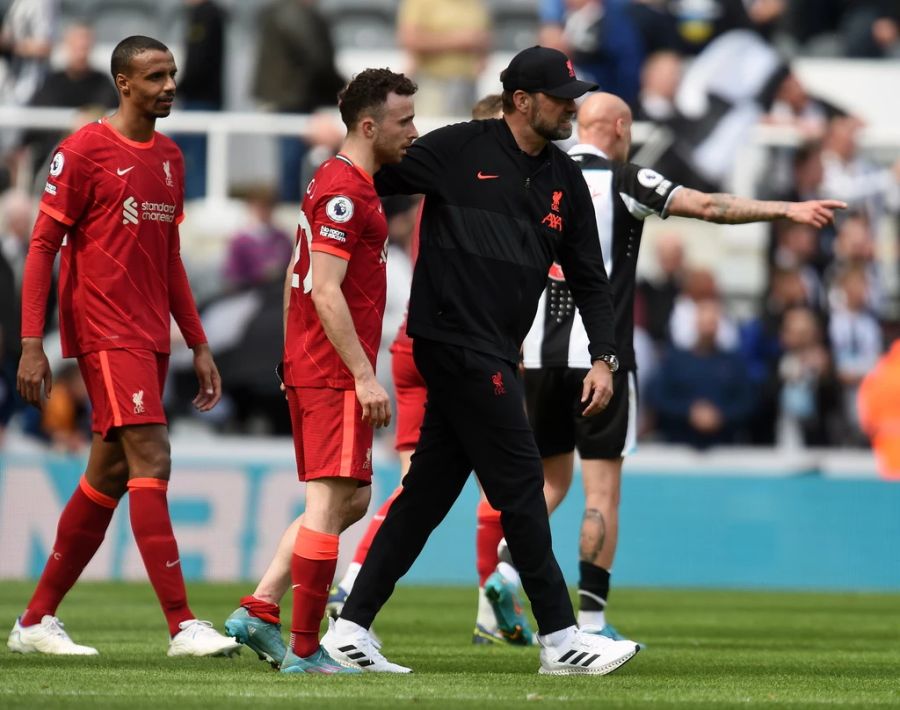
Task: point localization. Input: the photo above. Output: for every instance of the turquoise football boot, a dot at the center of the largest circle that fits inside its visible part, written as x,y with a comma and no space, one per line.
511,620
261,636
319,662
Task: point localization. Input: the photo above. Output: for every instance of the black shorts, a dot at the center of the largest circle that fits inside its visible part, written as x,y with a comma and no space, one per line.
553,398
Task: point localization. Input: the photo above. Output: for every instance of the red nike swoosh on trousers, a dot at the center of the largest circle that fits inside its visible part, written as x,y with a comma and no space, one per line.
482,176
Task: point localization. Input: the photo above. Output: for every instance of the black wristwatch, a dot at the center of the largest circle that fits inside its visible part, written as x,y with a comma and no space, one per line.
612,362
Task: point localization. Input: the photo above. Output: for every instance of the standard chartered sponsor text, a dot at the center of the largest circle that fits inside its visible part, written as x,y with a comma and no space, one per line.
157,212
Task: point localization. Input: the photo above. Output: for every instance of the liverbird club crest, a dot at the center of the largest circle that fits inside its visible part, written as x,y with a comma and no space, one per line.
138,399
167,169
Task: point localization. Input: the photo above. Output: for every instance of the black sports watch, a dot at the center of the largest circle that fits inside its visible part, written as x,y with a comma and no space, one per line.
612,362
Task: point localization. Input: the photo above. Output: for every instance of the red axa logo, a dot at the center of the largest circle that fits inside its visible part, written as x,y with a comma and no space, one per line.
497,381
554,202
554,221
570,68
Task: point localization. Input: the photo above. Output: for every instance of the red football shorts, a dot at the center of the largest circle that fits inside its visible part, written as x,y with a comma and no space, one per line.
330,438
125,387
409,388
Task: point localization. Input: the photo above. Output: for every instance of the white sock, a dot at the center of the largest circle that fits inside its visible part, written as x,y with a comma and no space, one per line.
349,578
558,638
485,618
509,573
596,619
345,626
503,550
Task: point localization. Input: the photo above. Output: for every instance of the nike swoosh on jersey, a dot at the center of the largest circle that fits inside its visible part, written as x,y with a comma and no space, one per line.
120,171
482,176
172,564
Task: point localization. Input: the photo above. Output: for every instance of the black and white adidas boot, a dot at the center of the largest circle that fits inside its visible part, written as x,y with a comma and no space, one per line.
586,654
357,649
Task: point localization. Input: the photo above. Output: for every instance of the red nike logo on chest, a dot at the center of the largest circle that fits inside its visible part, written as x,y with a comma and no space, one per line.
483,176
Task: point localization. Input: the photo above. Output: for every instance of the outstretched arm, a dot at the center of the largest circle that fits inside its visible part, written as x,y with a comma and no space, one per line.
723,208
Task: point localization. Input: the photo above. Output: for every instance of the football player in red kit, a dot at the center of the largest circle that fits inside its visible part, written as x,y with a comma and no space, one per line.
335,294
112,204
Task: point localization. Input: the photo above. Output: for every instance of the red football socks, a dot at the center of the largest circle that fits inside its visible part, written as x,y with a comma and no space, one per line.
488,534
152,528
80,531
312,570
267,611
363,548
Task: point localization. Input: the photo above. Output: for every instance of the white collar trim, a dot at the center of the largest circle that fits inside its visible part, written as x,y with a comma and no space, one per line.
587,148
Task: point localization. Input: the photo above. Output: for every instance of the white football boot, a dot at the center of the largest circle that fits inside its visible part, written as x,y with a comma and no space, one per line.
199,638
48,637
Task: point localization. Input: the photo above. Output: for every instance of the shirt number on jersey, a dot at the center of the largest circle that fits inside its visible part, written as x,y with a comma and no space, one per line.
306,229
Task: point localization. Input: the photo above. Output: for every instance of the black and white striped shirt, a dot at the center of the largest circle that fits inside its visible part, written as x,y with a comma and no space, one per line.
623,195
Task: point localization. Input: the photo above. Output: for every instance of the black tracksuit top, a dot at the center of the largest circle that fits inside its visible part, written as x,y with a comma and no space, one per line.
494,220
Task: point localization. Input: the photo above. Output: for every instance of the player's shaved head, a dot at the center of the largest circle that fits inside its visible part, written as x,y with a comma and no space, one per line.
603,107
604,120
128,49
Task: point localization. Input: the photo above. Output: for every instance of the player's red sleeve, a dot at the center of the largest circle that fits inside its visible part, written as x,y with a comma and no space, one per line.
181,300
336,224
68,190
46,238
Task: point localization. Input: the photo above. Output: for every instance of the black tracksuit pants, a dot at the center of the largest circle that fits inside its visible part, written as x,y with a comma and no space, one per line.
475,419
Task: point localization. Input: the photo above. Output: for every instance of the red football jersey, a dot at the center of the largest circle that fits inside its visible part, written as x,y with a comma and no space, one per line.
341,215
122,201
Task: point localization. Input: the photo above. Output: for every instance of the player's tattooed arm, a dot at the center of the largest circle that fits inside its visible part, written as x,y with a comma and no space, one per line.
724,208
730,209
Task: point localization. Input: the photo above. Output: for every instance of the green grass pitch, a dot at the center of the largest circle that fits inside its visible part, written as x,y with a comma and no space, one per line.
704,650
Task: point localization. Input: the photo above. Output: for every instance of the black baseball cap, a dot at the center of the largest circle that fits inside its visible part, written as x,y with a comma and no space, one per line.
546,70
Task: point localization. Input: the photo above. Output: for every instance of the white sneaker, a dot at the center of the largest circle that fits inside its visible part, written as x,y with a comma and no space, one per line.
358,650
199,638
47,637
585,653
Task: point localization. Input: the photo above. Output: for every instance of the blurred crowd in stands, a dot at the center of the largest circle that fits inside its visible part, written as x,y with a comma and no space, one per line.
701,73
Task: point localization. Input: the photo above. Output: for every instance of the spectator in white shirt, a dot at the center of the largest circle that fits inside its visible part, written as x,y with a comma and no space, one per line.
856,339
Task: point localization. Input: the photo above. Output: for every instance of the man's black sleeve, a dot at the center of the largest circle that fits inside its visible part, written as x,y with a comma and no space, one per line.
582,262
423,167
